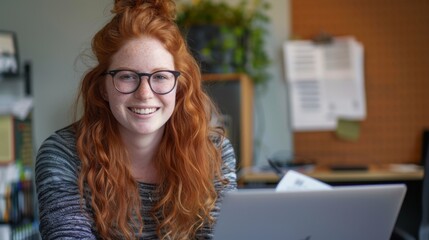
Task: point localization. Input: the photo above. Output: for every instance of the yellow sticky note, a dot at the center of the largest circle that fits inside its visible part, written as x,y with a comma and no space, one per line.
348,129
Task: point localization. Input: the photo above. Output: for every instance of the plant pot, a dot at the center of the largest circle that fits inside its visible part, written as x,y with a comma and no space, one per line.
216,48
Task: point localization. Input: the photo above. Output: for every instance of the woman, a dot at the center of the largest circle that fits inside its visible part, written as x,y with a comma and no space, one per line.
143,161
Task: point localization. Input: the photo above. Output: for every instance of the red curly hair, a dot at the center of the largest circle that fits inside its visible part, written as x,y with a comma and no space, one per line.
189,160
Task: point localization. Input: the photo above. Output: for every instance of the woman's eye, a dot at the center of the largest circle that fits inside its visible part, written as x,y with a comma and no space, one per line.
128,77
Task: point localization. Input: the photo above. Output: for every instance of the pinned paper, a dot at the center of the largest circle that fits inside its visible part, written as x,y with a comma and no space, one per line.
326,82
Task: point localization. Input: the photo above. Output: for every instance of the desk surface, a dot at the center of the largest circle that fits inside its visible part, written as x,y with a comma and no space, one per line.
391,172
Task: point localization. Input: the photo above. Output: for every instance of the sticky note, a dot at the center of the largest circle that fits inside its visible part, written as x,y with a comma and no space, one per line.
348,129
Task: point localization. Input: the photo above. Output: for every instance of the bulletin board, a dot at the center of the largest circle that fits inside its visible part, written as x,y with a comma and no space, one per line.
395,37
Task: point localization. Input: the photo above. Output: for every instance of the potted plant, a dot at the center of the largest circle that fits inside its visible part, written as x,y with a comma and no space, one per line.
225,37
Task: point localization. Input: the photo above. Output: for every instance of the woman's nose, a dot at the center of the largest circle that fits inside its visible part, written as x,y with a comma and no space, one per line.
144,88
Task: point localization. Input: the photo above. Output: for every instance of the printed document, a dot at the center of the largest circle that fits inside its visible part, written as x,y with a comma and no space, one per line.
326,82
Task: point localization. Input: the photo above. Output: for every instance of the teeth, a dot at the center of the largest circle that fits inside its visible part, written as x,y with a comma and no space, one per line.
143,110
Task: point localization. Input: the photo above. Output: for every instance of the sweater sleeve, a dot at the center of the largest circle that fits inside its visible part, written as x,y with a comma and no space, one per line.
229,166
61,212
229,173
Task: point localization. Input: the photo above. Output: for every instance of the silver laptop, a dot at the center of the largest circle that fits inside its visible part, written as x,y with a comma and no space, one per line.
342,213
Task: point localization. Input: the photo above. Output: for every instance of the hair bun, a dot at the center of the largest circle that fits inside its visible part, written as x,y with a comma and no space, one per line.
162,8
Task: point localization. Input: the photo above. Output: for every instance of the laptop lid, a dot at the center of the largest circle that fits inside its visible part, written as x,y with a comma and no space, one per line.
352,213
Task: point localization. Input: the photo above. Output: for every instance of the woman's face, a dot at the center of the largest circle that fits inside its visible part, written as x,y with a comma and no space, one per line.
142,112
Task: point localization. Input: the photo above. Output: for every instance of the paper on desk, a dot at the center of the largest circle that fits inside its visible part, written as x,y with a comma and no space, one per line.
405,167
326,82
293,181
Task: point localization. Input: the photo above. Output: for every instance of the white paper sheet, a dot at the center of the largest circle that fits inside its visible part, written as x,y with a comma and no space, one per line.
18,107
295,181
326,82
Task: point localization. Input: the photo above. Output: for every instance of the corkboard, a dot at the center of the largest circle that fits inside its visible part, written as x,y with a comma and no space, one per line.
395,36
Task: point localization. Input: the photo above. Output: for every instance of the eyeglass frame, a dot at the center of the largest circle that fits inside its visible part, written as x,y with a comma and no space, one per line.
112,73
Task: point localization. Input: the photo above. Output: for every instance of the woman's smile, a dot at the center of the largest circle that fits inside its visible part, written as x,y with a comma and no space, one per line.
144,111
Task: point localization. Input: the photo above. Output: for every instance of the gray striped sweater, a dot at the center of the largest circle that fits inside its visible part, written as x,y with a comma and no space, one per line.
60,212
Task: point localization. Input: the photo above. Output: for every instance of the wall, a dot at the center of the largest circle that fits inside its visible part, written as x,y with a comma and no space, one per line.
51,34
54,33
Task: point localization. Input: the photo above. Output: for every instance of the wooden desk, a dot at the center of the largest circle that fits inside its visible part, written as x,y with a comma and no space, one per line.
375,173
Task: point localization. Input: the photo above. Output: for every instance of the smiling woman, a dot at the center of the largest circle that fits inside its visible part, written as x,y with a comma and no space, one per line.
143,161
129,97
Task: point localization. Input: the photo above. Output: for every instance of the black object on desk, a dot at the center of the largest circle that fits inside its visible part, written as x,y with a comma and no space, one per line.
348,167
280,168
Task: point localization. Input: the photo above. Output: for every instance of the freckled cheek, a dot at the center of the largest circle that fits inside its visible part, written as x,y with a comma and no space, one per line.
117,103
170,101
119,112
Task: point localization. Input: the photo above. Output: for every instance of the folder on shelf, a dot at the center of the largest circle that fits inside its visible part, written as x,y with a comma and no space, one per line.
7,150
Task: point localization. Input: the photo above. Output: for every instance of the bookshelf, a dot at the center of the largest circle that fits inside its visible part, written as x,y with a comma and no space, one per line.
17,194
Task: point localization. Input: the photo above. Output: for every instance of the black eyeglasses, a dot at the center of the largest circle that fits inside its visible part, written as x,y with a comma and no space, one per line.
128,81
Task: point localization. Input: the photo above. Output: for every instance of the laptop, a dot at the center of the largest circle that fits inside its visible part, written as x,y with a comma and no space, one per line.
342,213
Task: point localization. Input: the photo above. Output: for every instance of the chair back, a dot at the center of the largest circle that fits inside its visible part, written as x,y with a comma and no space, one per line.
424,225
